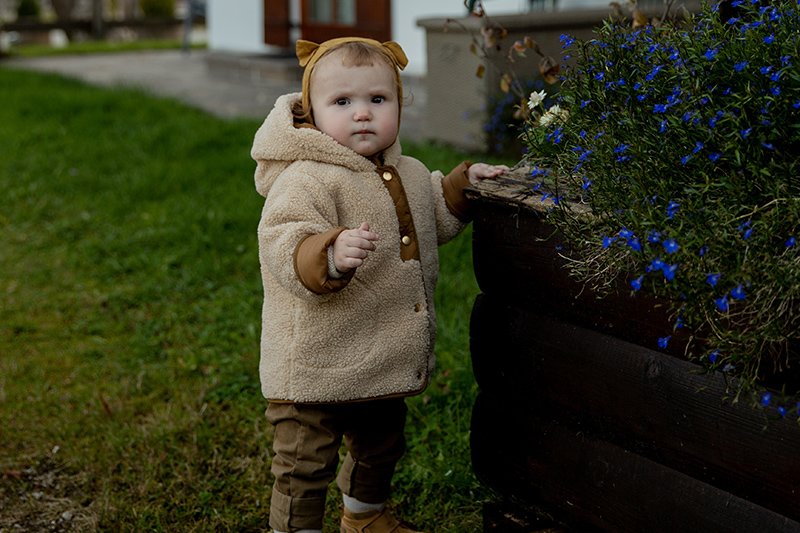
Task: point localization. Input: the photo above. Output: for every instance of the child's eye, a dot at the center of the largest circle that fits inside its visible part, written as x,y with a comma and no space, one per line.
378,99
342,101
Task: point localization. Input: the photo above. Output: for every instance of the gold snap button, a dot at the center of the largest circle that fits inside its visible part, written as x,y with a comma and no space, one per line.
406,240
387,176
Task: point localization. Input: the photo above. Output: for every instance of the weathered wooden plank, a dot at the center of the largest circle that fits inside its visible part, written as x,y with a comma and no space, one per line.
515,255
590,483
640,399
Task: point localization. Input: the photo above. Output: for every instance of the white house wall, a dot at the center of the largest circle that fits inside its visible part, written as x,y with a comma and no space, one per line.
237,25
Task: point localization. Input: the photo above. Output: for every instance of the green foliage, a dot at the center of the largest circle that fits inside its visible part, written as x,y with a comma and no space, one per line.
28,9
130,301
158,8
684,140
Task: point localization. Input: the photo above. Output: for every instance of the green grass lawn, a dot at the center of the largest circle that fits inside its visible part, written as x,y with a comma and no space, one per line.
129,320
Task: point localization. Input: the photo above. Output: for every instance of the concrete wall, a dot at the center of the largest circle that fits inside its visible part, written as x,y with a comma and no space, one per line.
457,98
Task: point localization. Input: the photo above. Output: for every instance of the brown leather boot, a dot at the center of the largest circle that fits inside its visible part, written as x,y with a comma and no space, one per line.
373,522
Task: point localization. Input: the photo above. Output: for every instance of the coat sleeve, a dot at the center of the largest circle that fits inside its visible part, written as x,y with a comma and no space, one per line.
298,223
451,206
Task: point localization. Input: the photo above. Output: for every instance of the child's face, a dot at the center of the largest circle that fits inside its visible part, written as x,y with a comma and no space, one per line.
357,106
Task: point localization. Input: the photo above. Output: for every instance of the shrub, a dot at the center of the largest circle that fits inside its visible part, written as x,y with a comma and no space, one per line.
28,9
158,8
684,142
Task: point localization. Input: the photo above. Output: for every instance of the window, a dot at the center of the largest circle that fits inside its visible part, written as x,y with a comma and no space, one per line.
332,12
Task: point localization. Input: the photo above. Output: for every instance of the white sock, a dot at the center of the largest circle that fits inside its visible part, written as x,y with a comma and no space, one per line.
357,506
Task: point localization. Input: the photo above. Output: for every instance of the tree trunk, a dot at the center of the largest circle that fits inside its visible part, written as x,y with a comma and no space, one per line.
63,9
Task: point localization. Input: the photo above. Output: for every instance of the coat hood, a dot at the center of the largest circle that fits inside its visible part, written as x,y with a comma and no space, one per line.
278,144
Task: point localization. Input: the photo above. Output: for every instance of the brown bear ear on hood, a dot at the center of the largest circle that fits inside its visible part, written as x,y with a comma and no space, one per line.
305,50
400,58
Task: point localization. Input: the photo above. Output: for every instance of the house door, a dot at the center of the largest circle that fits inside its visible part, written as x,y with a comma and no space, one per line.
277,23
327,19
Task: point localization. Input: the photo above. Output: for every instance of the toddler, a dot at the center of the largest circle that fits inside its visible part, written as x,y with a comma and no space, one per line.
348,247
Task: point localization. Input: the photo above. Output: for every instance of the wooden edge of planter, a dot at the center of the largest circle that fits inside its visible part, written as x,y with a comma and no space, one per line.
644,401
586,481
516,254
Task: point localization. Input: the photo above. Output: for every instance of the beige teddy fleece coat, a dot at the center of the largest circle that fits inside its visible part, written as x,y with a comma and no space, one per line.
371,333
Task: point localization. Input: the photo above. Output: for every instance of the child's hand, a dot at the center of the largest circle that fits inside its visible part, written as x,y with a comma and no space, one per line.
352,246
482,171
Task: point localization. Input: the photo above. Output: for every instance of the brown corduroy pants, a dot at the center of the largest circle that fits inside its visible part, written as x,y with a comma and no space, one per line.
306,454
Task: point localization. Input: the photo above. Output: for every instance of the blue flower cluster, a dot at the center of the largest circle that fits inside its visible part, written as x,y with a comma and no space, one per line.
685,143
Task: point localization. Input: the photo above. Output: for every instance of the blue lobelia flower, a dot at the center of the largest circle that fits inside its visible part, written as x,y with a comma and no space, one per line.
663,127
769,39
697,147
738,293
740,66
607,241
782,411
702,251
768,146
714,156
672,208
713,356
745,133
660,108
566,40
722,303
669,271
655,264
664,341
711,53
766,398
634,244
671,246
636,284
653,236
654,72
621,148
790,242
685,159
746,230
713,279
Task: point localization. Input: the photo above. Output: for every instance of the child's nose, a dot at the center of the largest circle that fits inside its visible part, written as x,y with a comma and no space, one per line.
362,113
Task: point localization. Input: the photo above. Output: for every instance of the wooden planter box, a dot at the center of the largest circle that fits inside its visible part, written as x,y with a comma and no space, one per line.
580,415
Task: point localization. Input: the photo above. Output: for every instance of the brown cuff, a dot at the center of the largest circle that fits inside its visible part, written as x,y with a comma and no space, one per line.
311,263
453,186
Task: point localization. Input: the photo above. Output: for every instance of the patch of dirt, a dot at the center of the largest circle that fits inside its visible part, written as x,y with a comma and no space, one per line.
44,496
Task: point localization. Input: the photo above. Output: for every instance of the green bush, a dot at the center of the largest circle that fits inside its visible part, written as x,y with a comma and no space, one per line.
158,8
684,141
28,9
